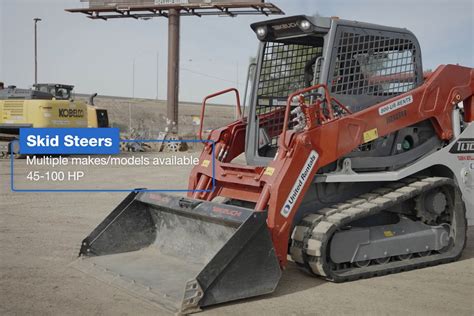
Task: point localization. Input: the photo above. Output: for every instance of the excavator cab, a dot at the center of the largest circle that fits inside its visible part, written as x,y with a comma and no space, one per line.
58,91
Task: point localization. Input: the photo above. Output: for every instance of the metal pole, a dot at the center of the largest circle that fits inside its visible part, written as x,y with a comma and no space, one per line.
133,79
36,55
237,73
130,118
36,50
249,69
173,70
133,97
237,86
157,73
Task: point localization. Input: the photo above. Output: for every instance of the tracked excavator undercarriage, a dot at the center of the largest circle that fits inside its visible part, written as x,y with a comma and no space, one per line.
357,165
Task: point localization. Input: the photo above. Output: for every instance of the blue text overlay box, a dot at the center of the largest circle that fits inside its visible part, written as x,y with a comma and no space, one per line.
15,189
62,141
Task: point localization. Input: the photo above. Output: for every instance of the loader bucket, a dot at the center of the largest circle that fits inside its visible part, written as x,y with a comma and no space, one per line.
180,253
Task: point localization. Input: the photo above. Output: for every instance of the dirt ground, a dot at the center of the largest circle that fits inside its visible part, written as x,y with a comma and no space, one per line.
40,234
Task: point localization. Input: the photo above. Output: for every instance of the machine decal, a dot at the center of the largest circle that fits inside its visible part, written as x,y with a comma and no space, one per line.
299,183
463,146
371,134
71,112
284,26
205,163
269,171
396,116
465,158
158,197
226,211
387,108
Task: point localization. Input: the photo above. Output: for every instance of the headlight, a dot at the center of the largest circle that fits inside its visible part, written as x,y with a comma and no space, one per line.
261,32
305,25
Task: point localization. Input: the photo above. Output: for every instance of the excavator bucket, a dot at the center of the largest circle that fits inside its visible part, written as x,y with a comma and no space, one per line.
180,253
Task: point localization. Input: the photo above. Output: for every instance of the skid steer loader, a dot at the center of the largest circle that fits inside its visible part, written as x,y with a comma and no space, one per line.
358,165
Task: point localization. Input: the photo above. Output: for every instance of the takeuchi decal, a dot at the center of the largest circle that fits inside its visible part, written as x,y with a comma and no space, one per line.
226,211
284,26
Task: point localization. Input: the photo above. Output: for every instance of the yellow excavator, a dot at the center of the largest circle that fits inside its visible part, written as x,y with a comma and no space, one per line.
45,105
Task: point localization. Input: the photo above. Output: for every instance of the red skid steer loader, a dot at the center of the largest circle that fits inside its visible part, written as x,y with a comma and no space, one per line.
357,165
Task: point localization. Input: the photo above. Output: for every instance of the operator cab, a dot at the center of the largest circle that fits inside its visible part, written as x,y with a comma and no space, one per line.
58,91
362,64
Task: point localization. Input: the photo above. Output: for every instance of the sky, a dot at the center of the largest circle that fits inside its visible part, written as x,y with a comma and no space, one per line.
100,56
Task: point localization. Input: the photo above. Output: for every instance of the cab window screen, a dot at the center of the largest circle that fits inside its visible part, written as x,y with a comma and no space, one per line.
285,69
374,65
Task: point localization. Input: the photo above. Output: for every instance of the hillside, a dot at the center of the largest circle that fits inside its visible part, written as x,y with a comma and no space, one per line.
148,117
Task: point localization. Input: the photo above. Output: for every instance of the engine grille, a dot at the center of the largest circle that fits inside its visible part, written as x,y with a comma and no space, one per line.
13,108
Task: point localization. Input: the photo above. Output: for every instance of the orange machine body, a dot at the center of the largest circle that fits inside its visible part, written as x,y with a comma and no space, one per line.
269,187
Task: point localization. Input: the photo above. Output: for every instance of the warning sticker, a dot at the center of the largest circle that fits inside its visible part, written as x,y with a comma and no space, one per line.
371,134
269,171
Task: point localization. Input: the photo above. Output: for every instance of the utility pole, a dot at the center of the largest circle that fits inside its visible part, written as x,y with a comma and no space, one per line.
157,73
133,97
133,79
36,50
173,69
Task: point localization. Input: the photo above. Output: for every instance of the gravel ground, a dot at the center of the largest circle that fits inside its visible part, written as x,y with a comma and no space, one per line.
40,233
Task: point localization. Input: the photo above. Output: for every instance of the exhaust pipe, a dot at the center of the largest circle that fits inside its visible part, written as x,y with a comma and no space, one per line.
91,99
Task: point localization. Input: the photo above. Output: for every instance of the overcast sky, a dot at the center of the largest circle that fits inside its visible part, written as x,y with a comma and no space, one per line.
97,56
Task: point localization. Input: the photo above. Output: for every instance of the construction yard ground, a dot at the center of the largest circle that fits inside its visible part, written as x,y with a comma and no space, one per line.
40,234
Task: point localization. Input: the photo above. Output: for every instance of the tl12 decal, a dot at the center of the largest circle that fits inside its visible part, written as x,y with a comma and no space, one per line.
463,146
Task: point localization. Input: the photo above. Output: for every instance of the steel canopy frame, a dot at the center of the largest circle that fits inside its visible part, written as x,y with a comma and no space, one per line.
189,9
173,11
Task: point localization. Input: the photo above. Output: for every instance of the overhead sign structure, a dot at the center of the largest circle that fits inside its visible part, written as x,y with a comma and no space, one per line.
114,3
173,10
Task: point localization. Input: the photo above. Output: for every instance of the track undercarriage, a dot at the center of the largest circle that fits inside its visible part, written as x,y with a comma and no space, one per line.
7,141
439,240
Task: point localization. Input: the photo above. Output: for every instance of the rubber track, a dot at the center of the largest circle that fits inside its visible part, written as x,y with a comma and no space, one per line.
311,236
